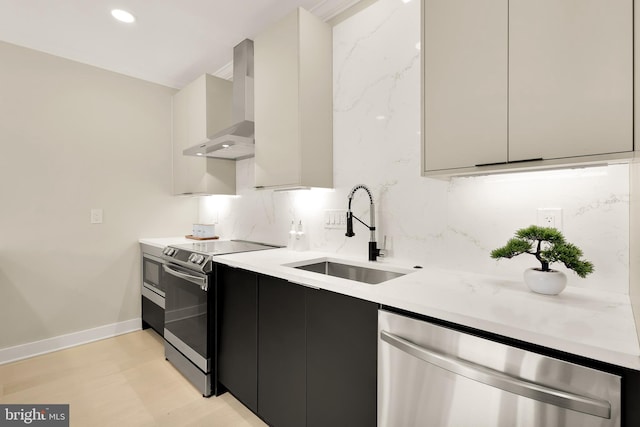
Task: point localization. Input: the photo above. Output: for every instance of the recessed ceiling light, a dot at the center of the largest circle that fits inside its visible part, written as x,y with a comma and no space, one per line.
406,1
198,154
225,145
123,16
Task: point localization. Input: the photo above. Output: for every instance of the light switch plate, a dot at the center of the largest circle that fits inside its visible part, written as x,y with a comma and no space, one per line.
96,216
335,218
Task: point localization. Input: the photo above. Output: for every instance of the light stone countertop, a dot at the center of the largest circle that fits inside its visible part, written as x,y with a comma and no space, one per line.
590,323
161,242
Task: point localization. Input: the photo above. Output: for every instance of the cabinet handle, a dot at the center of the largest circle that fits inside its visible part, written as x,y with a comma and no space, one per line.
479,165
526,160
493,378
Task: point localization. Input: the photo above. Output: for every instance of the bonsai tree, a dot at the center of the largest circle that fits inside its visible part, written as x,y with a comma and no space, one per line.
547,245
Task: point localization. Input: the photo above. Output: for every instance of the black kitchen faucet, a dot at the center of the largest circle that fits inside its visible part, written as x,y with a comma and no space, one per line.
374,252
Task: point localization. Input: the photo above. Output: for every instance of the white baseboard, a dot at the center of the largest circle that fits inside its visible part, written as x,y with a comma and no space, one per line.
36,348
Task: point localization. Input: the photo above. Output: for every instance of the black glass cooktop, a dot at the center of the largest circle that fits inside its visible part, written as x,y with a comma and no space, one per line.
221,247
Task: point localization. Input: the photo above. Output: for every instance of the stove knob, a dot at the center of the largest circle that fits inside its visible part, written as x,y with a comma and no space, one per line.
200,259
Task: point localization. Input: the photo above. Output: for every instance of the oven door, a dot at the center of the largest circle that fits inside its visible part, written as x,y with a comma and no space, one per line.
186,314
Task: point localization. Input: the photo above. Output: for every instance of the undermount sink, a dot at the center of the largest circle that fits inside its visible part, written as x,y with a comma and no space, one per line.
358,273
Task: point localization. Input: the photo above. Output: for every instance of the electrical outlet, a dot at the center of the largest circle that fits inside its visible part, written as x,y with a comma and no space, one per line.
550,217
96,216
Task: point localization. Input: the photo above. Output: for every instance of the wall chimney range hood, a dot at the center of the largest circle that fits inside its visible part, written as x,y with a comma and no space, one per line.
235,142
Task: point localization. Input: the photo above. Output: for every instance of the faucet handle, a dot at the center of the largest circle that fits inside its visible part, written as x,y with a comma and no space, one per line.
382,252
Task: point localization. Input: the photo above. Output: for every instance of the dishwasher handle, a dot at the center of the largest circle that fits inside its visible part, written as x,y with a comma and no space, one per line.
197,280
493,378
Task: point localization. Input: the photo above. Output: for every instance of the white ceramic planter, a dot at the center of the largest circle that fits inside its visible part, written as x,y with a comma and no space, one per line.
550,282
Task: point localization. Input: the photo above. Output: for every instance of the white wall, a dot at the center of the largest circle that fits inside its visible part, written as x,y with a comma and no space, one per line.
72,138
428,222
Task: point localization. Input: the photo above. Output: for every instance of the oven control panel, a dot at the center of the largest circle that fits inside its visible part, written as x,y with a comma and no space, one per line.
184,256
187,259
169,251
196,258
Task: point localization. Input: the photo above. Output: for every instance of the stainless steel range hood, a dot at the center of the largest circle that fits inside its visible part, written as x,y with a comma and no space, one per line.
235,142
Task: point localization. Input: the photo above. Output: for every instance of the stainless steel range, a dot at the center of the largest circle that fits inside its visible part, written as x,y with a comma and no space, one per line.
189,326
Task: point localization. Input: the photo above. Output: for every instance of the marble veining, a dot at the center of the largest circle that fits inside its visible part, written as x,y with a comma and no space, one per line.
603,204
585,322
441,224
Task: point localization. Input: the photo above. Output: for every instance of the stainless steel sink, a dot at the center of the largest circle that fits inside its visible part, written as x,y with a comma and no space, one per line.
371,276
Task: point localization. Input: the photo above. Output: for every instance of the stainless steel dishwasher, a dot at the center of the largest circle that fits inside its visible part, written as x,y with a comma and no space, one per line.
432,376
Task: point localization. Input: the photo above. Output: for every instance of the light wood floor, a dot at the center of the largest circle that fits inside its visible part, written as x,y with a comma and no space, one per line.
120,381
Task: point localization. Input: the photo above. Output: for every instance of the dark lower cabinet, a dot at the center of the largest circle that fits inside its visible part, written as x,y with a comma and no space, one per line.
296,356
238,333
300,357
341,360
281,353
630,397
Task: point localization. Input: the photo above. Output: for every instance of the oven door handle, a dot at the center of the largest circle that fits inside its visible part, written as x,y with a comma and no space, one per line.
200,281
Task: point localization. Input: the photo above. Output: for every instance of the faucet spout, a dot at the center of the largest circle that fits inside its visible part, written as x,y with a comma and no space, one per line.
374,252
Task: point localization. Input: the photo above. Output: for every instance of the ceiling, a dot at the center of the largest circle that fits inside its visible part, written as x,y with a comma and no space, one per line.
171,43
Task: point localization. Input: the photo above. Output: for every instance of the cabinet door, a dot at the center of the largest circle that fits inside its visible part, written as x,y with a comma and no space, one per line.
187,170
238,333
199,109
277,104
293,103
465,83
570,78
281,352
341,360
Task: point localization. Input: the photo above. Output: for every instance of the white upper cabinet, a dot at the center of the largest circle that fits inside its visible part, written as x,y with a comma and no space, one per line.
465,83
293,103
519,83
200,109
570,78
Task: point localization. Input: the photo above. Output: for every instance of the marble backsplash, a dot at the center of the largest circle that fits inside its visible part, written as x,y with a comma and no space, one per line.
449,224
